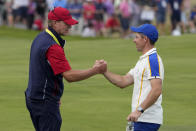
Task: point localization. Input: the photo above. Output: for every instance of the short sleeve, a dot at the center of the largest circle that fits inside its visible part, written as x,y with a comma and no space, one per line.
154,66
131,72
57,60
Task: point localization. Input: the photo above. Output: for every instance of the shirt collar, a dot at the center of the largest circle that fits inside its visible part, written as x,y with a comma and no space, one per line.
61,41
151,51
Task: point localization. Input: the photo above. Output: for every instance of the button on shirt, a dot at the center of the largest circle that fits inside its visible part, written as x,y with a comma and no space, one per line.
148,67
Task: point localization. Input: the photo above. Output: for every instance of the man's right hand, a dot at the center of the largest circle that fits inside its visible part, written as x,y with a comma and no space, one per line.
100,66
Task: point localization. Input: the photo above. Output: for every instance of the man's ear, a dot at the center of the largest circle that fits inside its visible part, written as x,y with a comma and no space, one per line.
146,38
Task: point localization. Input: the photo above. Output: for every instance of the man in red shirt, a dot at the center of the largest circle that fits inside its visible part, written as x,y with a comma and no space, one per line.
89,10
47,68
112,24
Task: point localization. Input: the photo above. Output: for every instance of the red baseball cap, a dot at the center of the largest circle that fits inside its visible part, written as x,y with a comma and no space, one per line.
61,14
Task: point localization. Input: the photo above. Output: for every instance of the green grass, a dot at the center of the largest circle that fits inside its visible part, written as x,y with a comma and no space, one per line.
95,104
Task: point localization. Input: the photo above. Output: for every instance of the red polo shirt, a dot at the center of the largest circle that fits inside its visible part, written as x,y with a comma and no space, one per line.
56,57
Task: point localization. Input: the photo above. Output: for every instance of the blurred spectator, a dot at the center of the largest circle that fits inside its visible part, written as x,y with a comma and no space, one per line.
98,13
186,6
125,14
3,12
135,14
75,9
9,16
161,15
117,3
38,23
99,17
192,22
15,6
50,5
2,2
60,3
112,25
20,8
41,8
109,5
148,11
31,13
117,7
175,12
88,12
89,31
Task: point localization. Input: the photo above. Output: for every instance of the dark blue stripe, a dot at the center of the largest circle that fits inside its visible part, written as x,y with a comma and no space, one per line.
143,126
154,64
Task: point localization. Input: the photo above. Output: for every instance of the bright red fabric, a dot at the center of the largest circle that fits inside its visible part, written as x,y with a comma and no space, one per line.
57,59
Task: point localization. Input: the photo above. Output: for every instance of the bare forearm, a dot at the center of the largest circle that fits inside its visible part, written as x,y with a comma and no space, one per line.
153,94
118,80
77,75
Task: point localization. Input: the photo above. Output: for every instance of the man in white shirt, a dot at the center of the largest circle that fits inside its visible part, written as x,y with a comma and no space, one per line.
147,77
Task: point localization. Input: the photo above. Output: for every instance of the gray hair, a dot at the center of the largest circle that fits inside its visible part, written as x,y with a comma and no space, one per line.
50,23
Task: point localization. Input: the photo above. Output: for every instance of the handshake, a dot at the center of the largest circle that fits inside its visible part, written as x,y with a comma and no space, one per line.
100,66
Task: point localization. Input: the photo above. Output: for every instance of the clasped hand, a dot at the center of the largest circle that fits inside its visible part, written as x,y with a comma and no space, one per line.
100,66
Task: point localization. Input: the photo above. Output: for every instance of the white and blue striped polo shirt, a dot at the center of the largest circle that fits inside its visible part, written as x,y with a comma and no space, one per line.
149,66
